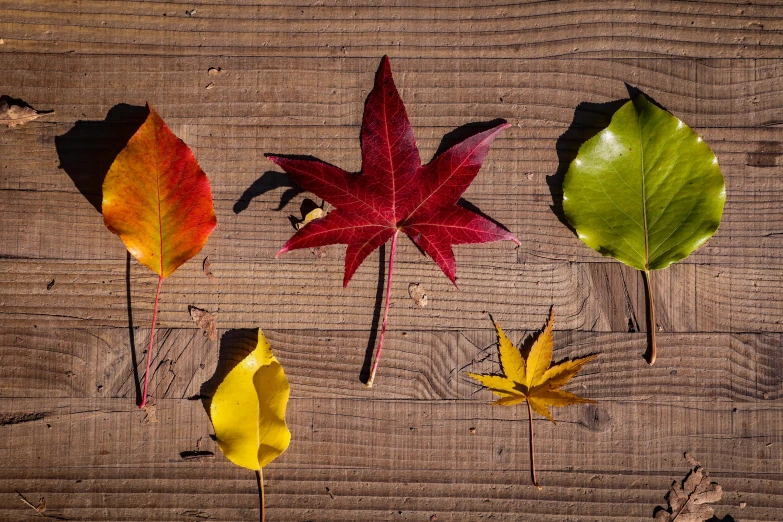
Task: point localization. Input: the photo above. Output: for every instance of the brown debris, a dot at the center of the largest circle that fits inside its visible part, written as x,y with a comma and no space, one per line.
207,267
687,502
416,291
204,320
150,414
14,113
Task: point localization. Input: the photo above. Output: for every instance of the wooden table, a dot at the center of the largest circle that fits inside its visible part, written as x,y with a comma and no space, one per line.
423,444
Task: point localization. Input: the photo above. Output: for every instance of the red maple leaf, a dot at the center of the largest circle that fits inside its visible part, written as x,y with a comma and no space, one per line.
394,192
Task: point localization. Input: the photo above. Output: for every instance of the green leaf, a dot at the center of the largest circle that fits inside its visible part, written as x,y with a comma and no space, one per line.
646,190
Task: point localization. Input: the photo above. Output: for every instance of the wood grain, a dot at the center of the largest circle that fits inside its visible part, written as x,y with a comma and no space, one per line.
422,365
423,444
376,459
232,126
435,30
284,293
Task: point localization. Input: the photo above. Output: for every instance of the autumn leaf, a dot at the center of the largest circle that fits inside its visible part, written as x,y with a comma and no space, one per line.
530,378
158,200
646,191
394,193
247,410
687,502
16,112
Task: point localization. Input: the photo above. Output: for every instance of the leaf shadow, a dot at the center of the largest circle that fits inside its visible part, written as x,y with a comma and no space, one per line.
235,345
464,132
87,150
134,361
269,181
589,119
364,376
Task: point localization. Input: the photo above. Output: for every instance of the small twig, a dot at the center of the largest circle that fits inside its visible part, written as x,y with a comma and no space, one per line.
29,504
39,510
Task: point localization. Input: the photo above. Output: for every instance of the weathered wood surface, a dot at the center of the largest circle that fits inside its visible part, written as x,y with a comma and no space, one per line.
423,444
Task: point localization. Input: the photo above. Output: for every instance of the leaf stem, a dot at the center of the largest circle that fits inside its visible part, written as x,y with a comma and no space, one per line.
653,327
260,481
149,351
386,310
532,458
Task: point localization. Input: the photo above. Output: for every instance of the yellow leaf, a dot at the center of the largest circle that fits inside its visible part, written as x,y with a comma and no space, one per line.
248,409
518,372
509,400
316,213
531,379
540,354
510,359
497,384
559,374
540,408
557,398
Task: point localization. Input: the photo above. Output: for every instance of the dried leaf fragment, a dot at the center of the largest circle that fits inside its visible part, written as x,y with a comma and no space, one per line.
207,267
316,213
14,113
204,320
416,291
215,71
687,502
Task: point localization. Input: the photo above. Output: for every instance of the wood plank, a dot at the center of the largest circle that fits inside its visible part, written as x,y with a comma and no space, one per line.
392,460
437,30
274,94
284,293
65,226
426,365
230,131
423,444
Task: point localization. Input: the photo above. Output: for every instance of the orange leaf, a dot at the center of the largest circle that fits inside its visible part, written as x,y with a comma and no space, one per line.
157,198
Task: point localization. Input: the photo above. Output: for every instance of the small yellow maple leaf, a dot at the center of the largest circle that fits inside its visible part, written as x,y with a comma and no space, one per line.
531,378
